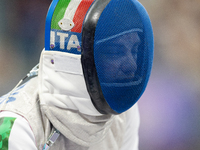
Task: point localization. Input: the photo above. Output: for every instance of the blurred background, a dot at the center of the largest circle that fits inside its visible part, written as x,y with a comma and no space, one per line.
170,106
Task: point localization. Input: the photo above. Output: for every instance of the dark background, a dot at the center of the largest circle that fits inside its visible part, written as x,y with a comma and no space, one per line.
169,108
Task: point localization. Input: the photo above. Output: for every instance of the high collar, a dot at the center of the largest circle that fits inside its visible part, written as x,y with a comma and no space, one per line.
65,102
62,84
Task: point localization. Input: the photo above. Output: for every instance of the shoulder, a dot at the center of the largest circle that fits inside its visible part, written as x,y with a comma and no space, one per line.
131,137
15,132
25,95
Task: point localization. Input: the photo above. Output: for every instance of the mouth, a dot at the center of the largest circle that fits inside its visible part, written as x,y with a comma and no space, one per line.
121,79
124,78
124,83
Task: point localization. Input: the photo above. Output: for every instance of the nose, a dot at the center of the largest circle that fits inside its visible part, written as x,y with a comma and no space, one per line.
129,65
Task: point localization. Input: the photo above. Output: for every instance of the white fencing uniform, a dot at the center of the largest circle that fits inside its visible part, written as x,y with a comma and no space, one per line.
33,108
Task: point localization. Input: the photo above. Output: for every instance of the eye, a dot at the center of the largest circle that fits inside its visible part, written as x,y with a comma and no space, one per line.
134,50
112,50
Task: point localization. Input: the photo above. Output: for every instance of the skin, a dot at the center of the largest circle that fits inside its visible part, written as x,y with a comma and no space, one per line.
119,58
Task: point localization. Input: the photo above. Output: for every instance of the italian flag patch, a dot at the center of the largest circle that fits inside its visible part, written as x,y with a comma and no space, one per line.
6,124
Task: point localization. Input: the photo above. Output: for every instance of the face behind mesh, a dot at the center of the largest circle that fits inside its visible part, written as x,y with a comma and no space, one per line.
119,53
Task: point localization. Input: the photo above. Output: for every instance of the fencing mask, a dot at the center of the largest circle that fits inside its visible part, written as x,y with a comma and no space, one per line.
115,41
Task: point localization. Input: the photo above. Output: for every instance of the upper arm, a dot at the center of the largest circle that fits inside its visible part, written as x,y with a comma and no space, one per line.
15,132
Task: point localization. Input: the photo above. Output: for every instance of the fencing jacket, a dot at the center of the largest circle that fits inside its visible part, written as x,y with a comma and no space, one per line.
58,98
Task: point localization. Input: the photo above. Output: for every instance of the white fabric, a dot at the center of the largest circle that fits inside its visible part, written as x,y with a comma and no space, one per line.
21,135
62,86
63,100
131,139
